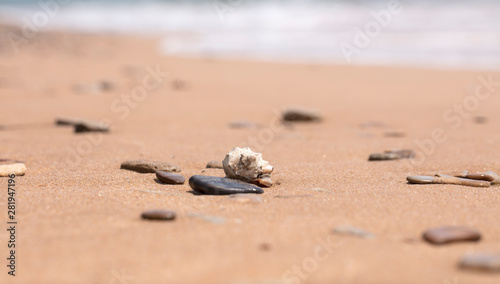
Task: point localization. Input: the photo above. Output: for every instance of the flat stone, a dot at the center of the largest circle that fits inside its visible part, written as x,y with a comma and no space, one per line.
480,119
450,234
394,134
9,167
383,157
143,166
301,114
215,165
243,124
221,186
69,120
481,261
353,231
158,214
420,179
90,126
392,155
170,178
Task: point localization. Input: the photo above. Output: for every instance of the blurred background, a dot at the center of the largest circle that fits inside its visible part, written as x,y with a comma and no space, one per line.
423,33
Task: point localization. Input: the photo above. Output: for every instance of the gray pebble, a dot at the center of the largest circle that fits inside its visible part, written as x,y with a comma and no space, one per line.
353,231
481,261
143,166
392,155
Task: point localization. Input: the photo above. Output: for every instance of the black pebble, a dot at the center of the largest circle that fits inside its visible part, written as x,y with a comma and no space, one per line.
221,186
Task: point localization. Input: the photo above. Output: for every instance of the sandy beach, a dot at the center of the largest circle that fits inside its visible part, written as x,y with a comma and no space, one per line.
78,213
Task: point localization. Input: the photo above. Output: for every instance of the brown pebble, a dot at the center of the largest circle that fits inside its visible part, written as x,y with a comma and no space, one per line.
480,119
264,247
481,261
215,165
450,234
394,134
301,114
170,178
158,214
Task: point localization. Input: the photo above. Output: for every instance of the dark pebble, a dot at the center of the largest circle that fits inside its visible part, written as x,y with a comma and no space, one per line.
158,214
449,234
170,178
221,186
481,261
299,114
90,126
143,166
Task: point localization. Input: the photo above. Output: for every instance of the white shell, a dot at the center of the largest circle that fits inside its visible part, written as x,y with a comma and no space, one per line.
246,165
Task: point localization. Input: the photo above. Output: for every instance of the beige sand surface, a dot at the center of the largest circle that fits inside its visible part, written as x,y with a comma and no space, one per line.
79,214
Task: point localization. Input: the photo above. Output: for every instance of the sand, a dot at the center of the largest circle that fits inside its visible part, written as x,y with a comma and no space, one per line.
79,214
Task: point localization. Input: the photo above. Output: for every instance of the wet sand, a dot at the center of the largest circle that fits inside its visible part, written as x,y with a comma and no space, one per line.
79,213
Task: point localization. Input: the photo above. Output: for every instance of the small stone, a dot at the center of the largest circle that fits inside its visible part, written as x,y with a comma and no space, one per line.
143,166
9,167
243,124
480,119
221,186
246,165
481,261
301,114
450,234
215,165
446,179
95,88
170,178
353,231
69,121
158,214
383,157
420,179
246,198
179,84
395,134
487,176
264,247
392,155
91,126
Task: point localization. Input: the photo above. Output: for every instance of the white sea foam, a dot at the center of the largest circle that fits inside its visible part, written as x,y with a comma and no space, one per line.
443,34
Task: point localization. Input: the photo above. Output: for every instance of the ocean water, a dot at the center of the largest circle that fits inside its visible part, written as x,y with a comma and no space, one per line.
421,33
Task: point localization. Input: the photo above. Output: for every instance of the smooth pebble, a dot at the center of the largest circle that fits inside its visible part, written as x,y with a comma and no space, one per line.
144,166
450,234
221,186
158,214
169,177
